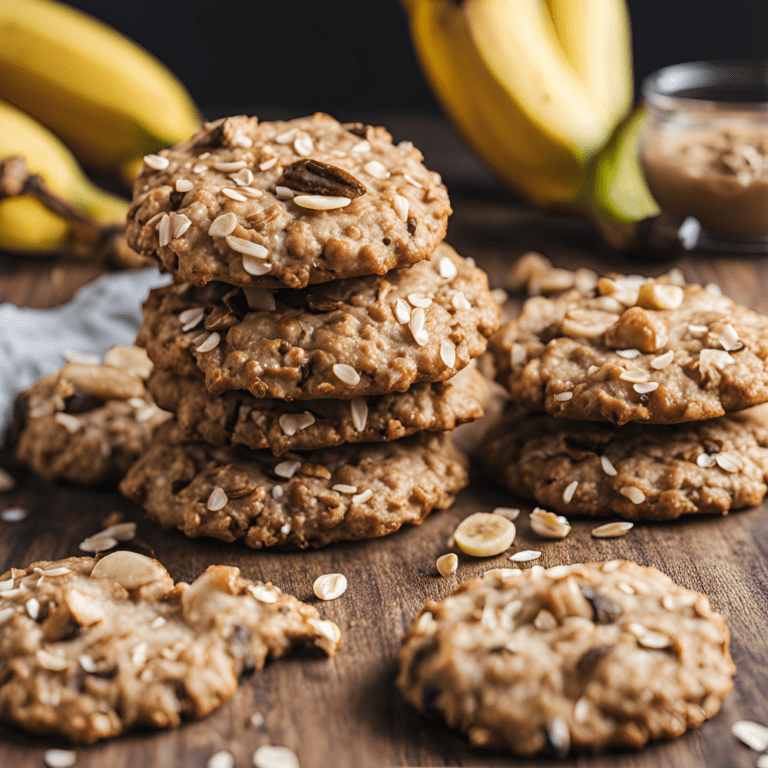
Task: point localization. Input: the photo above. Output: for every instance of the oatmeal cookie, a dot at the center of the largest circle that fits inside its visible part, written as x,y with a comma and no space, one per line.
286,203
238,418
92,648
351,338
638,471
581,657
86,424
635,349
336,494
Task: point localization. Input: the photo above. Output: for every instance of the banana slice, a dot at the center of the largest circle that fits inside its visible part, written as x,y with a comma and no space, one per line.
484,534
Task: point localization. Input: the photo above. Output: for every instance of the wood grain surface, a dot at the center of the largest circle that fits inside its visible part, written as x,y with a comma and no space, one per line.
345,711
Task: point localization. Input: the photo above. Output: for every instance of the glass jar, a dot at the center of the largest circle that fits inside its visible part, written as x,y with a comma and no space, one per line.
704,149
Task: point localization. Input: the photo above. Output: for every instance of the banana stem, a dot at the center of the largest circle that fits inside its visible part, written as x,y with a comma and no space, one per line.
88,238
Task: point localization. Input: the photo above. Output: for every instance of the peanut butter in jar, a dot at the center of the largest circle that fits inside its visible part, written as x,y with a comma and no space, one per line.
704,149
717,174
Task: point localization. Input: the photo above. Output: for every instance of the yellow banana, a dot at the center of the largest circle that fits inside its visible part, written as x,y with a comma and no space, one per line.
501,74
595,35
109,100
541,90
25,223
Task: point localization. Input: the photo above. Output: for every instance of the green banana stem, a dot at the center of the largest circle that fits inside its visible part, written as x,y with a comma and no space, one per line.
614,195
88,236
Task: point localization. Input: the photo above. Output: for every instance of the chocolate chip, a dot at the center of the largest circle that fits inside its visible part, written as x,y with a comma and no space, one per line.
606,610
82,402
411,225
315,178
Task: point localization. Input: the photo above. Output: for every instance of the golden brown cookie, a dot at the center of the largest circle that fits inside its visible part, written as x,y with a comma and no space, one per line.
582,657
635,349
92,648
350,338
286,203
336,494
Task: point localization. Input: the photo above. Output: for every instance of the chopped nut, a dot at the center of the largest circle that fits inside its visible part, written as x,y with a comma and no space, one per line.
754,735
656,296
639,329
103,381
554,281
587,323
612,530
447,564
330,586
526,267
548,525
131,357
130,569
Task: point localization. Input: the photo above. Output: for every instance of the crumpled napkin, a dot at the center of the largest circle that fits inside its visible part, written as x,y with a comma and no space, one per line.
33,341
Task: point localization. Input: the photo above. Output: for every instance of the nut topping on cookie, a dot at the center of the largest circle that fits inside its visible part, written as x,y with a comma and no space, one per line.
312,177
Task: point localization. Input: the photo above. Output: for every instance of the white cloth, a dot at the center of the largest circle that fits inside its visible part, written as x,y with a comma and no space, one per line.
104,313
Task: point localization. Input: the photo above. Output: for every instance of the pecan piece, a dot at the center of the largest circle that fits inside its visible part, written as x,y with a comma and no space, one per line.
315,178
319,303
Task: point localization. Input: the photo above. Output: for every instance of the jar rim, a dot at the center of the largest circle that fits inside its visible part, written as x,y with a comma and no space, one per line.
732,84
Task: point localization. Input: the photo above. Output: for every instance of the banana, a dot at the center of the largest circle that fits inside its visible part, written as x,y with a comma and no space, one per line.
25,223
541,90
595,35
109,100
615,195
502,75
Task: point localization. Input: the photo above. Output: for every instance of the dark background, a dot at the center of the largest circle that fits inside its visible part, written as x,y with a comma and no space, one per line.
345,55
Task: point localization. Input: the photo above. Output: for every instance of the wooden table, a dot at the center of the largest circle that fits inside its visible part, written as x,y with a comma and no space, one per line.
345,711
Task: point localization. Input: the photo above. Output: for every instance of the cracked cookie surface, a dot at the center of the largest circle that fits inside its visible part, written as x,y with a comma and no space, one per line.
238,418
238,178
582,657
638,471
92,648
351,338
335,494
635,350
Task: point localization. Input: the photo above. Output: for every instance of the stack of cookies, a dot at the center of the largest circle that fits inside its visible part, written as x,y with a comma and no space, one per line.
317,345
643,377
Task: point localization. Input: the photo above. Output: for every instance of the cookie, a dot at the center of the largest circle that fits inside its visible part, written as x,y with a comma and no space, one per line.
638,471
635,349
92,648
86,424
351,338
286,203
238,418
582,657
336,494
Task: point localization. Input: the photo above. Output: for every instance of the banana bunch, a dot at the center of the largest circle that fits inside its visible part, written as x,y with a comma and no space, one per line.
26,223
106,98
542,91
